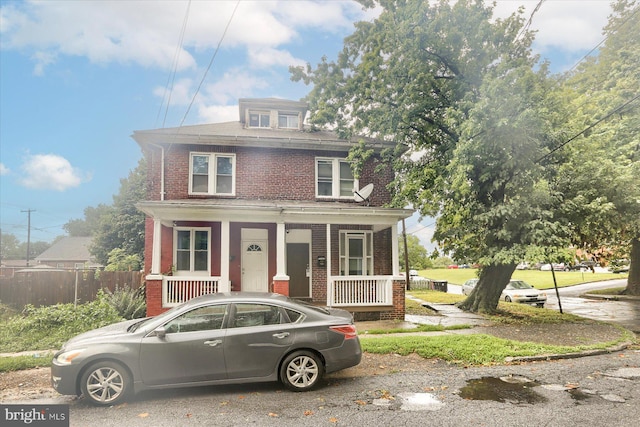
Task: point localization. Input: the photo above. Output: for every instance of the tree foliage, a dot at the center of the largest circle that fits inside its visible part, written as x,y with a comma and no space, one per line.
122,224
599,177
417,254
456,90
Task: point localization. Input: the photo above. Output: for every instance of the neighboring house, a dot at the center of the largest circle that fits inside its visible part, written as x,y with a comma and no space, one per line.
266,204
68,253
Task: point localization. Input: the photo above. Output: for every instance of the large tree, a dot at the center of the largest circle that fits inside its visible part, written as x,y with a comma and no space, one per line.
600,178
456,90
121,226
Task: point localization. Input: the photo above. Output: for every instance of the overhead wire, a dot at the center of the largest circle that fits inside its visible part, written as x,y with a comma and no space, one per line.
215,53
174,68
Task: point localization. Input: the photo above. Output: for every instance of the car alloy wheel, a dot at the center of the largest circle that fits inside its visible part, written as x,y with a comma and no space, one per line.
105,383
507,298
301,371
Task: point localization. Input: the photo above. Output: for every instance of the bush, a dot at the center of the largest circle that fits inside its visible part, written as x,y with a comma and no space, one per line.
45,328
129,303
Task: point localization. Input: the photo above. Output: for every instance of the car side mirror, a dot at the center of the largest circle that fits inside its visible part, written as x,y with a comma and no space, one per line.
160,332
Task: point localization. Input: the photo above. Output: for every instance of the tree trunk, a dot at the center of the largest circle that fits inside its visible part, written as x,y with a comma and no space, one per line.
633,282
486,294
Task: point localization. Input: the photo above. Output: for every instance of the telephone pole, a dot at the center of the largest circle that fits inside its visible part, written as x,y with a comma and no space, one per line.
28,211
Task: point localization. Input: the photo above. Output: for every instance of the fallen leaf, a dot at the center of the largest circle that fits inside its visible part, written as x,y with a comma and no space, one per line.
333,420
224,403
308,412
271,414
361,402
189,415
143,415
571,386
241,397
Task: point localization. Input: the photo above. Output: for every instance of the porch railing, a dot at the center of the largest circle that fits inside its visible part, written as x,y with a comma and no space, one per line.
360,291
176,289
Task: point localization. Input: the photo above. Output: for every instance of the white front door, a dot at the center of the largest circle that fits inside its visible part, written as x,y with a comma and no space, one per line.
254,260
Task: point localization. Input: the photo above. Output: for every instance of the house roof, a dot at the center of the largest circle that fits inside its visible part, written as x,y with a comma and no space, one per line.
67,249
235,134
301,212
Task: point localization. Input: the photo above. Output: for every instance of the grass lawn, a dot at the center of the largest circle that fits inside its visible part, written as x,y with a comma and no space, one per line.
536,278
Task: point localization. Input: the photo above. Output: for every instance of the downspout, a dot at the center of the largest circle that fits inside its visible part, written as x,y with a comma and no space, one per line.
161,169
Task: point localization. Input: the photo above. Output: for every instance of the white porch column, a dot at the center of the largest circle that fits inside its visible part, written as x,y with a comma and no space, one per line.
156,247
224,255
330,297
394,250
281,253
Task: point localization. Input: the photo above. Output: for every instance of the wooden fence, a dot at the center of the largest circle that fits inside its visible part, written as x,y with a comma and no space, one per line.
42,288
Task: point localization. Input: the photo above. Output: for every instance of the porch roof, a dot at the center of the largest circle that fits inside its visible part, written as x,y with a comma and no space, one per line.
284,211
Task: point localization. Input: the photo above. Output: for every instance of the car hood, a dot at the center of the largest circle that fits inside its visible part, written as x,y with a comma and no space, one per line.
106,333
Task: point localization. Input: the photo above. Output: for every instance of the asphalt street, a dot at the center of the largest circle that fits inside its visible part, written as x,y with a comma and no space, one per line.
590,391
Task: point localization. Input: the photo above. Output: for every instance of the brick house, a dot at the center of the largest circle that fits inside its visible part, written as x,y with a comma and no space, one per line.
267,204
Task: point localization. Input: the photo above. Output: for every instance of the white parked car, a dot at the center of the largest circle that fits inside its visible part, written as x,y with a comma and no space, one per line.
519,291
468,286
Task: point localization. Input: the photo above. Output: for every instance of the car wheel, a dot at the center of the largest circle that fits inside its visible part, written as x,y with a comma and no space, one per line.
301,371
507,298
540,305
106,383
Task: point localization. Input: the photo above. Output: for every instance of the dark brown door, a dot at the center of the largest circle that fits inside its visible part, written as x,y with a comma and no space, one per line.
298,269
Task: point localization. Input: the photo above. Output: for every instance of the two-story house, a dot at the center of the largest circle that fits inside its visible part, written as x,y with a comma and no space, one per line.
266,204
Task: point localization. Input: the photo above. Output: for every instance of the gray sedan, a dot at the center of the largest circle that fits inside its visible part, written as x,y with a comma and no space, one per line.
214,339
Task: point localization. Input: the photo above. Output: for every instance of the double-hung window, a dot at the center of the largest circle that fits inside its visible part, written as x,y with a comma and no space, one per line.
288,121
356,253
334,178
212,174
259,119
192,250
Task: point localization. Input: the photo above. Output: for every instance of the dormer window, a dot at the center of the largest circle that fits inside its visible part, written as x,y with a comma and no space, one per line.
259,119
288,121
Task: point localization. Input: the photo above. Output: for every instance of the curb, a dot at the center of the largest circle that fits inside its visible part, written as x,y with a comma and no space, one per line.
586,353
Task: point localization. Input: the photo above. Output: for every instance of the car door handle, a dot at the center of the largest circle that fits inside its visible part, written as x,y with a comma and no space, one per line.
213,343
281,335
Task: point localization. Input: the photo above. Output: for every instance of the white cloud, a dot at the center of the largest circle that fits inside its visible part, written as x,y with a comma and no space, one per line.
569,25
147,33
4,170
50,172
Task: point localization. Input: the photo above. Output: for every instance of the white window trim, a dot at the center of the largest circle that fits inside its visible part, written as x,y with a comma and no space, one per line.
367,258
288,114
191,271
212,174
335,179
260,114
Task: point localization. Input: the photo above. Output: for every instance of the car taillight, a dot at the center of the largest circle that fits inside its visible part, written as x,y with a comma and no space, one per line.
349,331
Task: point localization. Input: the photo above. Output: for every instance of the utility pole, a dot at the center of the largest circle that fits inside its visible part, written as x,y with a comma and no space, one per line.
28,211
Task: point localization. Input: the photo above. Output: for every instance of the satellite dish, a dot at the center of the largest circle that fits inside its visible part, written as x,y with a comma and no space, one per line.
363,194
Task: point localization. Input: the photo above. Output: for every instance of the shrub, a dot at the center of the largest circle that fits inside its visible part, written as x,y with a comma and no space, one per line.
129,303
44,328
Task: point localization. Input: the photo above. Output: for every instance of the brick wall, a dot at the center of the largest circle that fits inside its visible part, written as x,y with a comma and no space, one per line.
261,173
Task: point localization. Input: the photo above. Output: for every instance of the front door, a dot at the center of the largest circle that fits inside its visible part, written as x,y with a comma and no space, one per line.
298,269
255,273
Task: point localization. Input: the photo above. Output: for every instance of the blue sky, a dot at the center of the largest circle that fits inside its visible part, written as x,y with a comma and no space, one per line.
78,77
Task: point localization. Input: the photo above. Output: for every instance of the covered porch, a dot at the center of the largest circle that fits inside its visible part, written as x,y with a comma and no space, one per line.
314,234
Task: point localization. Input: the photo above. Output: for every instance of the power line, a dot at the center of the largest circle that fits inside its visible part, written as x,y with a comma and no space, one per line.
616,110
215,53
174,67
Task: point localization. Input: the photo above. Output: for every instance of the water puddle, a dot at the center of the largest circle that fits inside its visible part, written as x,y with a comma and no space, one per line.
510,389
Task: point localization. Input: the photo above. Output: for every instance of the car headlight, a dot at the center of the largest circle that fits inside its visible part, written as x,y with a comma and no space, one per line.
67,357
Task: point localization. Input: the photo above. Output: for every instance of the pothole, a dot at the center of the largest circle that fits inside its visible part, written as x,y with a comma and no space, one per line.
510,389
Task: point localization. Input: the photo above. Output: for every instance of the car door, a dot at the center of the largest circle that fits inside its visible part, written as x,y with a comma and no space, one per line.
191,350
256,340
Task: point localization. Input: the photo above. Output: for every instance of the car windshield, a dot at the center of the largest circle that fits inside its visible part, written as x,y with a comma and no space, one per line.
519,284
